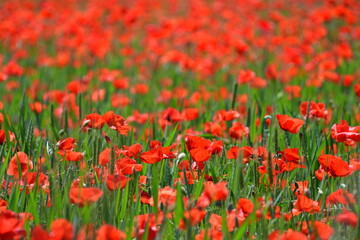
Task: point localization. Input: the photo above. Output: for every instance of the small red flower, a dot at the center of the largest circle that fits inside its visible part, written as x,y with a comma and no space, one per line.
289,124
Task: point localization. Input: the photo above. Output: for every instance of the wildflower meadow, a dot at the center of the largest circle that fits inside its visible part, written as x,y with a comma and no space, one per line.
179,119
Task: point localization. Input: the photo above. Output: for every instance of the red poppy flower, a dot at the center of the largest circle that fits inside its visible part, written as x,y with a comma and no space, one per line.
38,233
3,136
108,232
66,144
11,226
152,156
61,229
290,155
172,115
104,157
20,158
3,205
334,165
340,196
235,151
94,120
190,114
342,132
37,107
116,181
291,234
71,155
213,192
289,124
127,166
317,110
238,131
132,151
194,215
167,197
306,204
244,206
147,222
116,122
299,188
84,196
347,218
322,230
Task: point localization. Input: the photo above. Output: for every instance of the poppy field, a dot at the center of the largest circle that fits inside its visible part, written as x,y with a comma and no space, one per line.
194,119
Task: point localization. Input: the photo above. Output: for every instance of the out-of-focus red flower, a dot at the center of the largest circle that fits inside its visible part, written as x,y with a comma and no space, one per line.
38,233
172,115
84,196
316,110
37,107
66,144
238,131
21,159
11,226
116,181
212,192
322,230
299,188
94,120
61,229
340,196
71,156
108,232
347,218
306,204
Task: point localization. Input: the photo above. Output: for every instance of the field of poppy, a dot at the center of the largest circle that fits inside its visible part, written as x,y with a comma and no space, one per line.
194,119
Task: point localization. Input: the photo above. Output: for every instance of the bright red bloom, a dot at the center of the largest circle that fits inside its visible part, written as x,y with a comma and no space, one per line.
299,188
290,155
342,132
11,226
71,155
22,159
323,231
172,115
289,124
291,234
127,166
167,197
115,181
306,204
94,120
66,144
244,207
317,110
194,215
116,122
234,152
200,154
38,233
152,156
108,232
61,229
334,165
238,131
84,196
148,223
213,192
190,114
